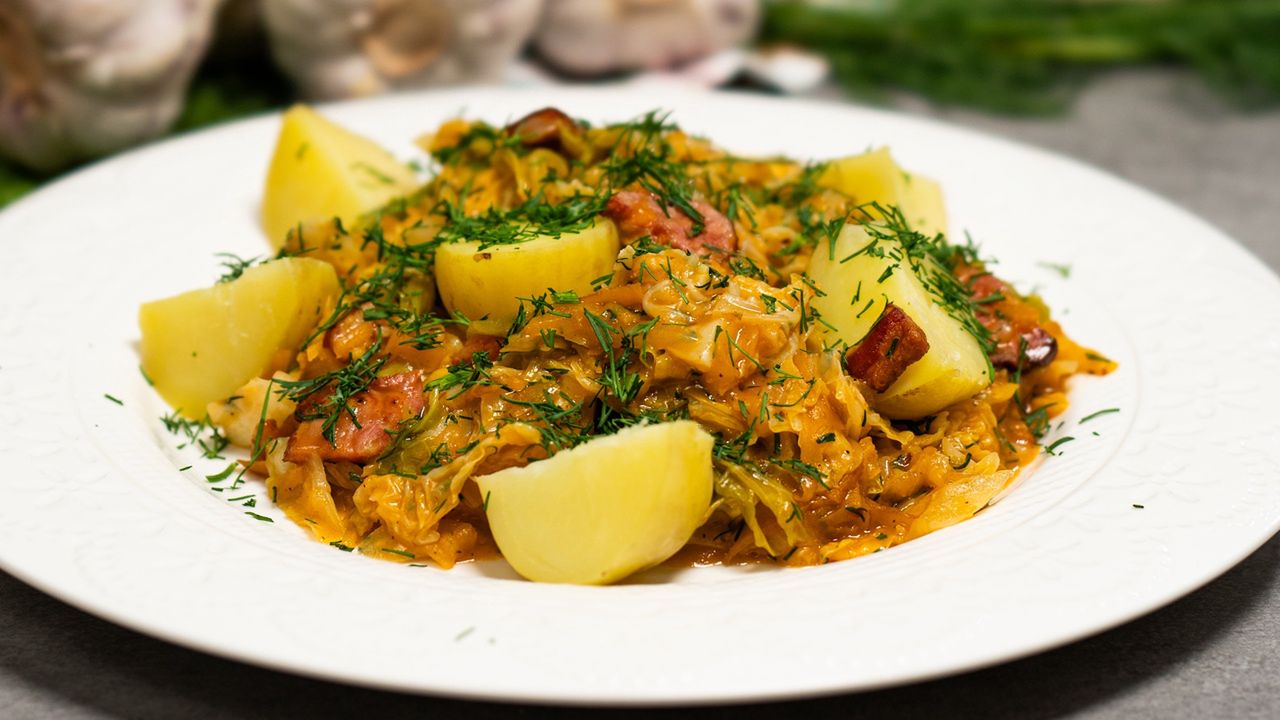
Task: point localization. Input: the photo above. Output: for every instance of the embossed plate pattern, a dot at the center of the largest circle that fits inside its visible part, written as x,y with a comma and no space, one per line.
96,510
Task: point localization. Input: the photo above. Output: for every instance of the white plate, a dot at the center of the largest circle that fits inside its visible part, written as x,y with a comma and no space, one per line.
96,511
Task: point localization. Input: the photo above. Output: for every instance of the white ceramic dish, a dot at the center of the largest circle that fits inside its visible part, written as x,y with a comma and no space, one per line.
1170,492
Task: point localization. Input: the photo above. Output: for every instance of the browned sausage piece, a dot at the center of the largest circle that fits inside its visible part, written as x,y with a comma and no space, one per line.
379,410
639,214
1029,350
894,343
544,128
1020,341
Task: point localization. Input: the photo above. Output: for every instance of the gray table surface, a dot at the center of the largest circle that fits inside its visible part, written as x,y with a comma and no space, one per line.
1213,654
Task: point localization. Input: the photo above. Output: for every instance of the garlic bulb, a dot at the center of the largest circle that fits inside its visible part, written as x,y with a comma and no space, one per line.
82,78
591,37
348,48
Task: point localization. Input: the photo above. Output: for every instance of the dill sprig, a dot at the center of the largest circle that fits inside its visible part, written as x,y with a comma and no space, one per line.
1029,57
616,377
560,427
464,375
333,391
533,218
476,145
202,433
235,265
643,156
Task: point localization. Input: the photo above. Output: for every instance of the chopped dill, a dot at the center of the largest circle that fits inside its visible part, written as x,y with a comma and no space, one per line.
1052,448
234,266
333,391
1099,413
1062,269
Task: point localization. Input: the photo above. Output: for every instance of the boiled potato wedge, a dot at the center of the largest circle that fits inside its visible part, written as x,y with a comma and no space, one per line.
875,177
923,207
486,284
200,346
321,171
858,286
603,510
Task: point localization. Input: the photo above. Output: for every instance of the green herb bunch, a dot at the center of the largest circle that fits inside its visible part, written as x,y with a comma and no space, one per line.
1027,56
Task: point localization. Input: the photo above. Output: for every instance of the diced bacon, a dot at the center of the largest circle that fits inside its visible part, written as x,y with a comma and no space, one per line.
544,128
640,214
894,343
379,410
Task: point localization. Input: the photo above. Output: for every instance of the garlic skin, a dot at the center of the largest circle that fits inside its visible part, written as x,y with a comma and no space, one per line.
593,37
83,78
335,49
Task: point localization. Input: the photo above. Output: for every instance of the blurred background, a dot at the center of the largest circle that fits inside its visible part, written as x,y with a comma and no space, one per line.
80,79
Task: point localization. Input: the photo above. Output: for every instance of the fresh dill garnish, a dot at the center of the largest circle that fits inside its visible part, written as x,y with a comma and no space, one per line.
223,475
1037,421
328,397
464,375
799,467
113,398
531,219
616,378
476,144
1024,57
1062,269
642,156
201,433
234,265
1053,447
1099,413
560,427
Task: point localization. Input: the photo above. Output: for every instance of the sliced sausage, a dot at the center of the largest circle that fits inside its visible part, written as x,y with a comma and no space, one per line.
379,410
1028,350
639,214
547,128
1020,341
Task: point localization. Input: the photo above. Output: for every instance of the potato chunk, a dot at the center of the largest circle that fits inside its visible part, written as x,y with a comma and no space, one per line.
603,510
486,284
202,345
859,285
321,171
875,177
